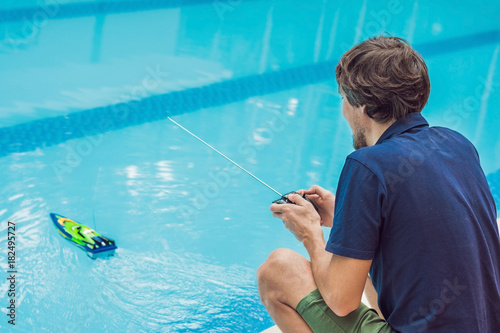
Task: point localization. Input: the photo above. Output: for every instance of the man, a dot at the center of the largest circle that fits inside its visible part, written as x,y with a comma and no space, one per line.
413,215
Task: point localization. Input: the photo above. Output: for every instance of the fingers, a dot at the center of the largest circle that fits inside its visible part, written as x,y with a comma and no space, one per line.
297,198
279,208
313,197
282,211
282,208
318,190
274,207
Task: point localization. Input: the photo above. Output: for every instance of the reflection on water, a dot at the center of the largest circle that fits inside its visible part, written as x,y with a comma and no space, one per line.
160,279
135,291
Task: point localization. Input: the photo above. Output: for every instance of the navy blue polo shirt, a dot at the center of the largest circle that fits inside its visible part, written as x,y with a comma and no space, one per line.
417,203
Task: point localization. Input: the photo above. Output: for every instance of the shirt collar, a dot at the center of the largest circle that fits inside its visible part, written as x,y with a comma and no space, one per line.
402,125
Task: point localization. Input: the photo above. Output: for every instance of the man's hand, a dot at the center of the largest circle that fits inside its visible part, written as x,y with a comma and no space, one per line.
301,219
324,201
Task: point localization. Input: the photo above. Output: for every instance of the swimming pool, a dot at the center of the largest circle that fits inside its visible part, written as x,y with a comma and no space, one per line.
86,87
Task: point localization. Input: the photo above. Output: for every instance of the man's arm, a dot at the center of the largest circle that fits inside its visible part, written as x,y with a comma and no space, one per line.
372,296
340,280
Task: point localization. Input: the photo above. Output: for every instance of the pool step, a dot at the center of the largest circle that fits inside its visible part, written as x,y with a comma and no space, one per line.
273,329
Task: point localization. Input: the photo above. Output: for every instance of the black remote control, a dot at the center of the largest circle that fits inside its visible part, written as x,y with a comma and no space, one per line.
284,199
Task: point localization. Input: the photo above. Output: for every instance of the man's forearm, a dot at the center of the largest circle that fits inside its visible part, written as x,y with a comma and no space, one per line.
320,260
340,280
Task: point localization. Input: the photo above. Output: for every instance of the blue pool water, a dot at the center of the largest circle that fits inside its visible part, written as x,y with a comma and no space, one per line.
85,90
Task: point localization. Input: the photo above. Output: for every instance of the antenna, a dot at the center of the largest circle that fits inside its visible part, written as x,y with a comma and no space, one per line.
227,158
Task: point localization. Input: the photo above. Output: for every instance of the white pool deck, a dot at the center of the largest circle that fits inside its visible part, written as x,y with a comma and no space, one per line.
275,329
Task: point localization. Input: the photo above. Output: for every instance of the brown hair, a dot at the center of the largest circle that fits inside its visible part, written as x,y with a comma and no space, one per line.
386,75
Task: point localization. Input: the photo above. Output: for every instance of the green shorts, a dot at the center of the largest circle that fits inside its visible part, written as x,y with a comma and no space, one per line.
321,319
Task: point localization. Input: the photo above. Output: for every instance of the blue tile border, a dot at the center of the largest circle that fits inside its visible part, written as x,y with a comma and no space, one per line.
459,43
71,10
51,131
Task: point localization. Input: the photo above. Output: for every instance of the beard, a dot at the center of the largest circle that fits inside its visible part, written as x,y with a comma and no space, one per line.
359,139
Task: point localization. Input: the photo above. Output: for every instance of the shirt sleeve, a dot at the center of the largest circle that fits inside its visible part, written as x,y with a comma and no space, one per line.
358,213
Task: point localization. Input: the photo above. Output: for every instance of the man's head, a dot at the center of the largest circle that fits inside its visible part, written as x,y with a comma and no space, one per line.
383,80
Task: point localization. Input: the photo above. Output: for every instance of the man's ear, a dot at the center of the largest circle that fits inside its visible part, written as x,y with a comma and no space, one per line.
363,109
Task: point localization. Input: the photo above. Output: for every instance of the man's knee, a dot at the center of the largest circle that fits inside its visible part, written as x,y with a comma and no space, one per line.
278,261
285,275
270,274
284,266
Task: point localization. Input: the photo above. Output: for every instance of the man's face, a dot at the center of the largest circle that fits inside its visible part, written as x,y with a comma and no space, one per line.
354,116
